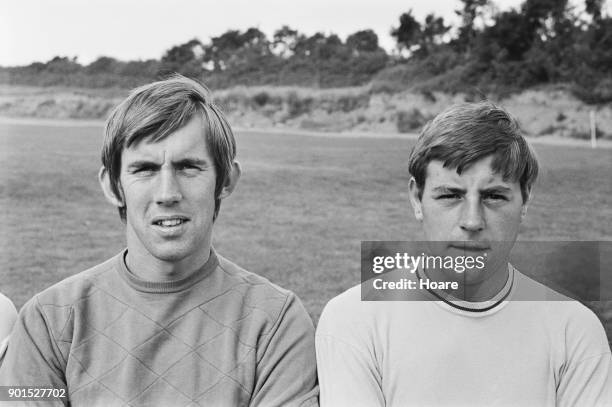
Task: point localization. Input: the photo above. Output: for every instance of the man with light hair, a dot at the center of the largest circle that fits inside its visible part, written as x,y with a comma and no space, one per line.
168,321
503,338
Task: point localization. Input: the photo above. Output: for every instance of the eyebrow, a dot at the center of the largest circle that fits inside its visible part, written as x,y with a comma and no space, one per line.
183,161
141,163
446,189
191,161
500,189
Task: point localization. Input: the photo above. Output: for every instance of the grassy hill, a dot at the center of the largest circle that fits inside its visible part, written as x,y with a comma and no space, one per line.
541,111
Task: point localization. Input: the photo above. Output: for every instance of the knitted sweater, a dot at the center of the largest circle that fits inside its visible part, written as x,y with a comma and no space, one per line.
219,337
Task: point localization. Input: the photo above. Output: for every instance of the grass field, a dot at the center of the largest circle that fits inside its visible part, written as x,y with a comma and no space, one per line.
298,216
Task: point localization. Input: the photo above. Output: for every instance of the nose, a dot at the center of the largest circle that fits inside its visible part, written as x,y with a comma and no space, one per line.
472,216
168,190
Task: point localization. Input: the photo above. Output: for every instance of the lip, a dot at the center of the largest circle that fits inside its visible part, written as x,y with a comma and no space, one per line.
161,218
471,246
170,231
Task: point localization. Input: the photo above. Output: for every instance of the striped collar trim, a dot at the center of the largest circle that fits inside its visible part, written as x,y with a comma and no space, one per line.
481,306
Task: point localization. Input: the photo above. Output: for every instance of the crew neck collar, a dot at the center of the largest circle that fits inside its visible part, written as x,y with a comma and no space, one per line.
163,287
474,308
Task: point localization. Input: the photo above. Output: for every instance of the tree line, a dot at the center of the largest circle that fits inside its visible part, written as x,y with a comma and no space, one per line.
234,58
541,42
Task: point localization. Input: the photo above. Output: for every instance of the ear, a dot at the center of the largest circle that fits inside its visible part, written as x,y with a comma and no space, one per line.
415,201
525,206
104,180
232,180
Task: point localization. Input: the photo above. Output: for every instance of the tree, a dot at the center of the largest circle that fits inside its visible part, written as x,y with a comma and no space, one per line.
148,69
471,10
254,38
433,31
408,34
185,59
593,8
317,46
104,65
508,38
221,49
63,65
363,41
418,38
547,18
285,40
235,48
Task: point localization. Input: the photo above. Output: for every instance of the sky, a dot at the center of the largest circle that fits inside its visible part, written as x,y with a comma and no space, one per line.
38,30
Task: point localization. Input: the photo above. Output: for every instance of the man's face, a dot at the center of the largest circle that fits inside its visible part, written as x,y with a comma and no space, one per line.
470,214
169,194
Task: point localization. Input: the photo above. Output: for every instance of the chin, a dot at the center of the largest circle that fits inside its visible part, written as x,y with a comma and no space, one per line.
169,257
171,253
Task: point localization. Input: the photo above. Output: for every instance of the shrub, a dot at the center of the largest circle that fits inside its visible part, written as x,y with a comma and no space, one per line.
598,94
261,98
428,95
409,121
552,129
348,103
297,105
586,135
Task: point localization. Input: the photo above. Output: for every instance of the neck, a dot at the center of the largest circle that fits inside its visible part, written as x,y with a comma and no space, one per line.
149,268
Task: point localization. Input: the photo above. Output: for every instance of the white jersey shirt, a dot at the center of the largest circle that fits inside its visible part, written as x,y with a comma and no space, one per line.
505,352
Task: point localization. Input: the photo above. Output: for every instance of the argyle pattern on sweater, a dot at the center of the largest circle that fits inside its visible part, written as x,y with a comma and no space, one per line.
223,337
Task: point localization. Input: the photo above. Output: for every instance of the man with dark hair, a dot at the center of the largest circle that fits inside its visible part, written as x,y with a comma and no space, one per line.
167,321
489,343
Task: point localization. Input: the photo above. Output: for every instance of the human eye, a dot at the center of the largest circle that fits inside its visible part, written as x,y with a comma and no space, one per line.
188,168
448,197
494,197
143,170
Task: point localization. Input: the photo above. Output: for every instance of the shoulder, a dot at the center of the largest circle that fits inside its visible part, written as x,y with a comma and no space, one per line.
342,306
583,332
254,284
528,289
78,286
354,328
247,290
347,315
558,307
54,306
8,316
6,306
358,304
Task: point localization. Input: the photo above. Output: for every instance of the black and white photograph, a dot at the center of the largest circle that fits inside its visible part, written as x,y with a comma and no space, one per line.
306,203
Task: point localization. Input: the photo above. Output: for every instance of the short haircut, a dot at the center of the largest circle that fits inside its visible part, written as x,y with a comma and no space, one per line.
467,132
153,112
